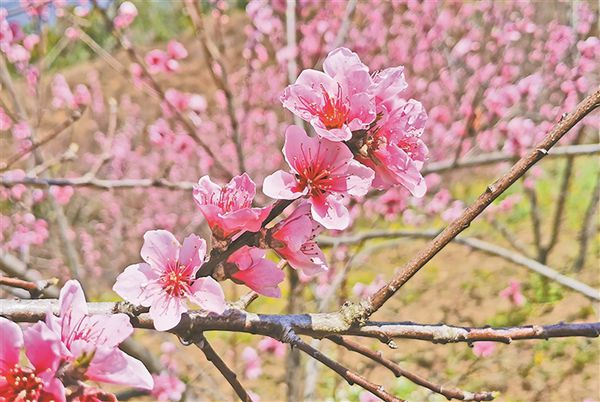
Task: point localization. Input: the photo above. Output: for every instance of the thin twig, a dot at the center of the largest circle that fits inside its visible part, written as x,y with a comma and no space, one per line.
211,55
377,357
229,375
350,376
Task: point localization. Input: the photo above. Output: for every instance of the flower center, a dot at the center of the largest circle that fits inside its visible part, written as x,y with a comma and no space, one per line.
333,113
176,281
231,199
21,384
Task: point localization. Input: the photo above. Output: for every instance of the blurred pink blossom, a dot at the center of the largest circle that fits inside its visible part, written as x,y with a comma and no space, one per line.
484,348
513,293
252,363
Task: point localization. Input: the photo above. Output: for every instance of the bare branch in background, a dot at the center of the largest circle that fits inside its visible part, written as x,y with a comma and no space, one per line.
588,226
38,143
212,57
475,244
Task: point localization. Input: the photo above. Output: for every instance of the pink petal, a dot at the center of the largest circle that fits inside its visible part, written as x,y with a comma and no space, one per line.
281,186
112,329
166,312
333,134
42,347
359,178
330,212
342,62
263,277
72,303
160,249
115,367
11,341
192,251
208,294
130,283
362,112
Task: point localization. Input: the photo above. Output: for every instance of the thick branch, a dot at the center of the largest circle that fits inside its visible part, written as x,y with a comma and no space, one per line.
490,194
315,325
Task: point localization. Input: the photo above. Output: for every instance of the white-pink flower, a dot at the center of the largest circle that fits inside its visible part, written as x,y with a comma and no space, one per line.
335,102
97,336
228,209
256,272
298,233
166,281
324,172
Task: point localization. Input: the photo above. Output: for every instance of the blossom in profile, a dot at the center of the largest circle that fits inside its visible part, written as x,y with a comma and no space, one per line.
297,234
513,293
336,101
393,147
91,342
24,383
484,348
256,272
322,171
228,209
166,280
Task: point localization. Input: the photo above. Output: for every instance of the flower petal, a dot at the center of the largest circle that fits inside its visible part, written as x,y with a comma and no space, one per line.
208,294
112,366
281,186
166,312
160,249
11,341
130,283
42,347
192,251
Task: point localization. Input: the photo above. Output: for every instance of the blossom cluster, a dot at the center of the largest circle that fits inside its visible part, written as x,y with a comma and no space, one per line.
66,350
366,135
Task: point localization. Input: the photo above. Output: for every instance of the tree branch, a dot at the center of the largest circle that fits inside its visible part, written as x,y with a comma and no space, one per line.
317,325
464,220
377,357
475,244
216,360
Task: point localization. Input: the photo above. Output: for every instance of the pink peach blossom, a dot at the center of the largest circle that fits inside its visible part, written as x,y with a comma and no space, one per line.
256,272
335,102
96,335
62,194
324,172
167,387
228,209
298,233
513,293
125,15
252,363
166,280
393,148
270,345
42,347
176,50
484,348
